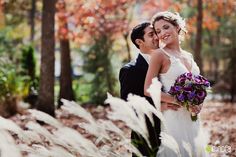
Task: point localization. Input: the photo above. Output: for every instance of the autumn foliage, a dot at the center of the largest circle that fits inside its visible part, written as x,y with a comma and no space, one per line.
211,11
91,20
1,14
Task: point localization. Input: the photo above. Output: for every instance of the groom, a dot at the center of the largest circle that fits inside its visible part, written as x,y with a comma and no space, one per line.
132,78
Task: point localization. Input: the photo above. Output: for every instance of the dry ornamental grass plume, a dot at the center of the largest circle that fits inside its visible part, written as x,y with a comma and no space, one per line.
155,91
121,110
62,141
35,127
169,142
77,110
99,129
82,145
9,125
7,145
188,148
41,116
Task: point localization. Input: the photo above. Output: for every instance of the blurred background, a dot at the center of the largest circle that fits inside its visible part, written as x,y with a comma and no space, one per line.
73,49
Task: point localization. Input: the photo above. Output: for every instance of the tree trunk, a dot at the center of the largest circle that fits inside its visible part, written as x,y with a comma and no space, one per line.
66,90
2,18
215,62
216,40
233,75
232,87
46,85
198,43
127,45
32,23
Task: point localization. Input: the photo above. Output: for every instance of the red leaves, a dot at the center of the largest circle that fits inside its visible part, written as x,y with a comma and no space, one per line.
94,18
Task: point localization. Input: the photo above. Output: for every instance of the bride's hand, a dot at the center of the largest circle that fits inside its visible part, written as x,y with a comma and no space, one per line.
169,106
169,102
195,108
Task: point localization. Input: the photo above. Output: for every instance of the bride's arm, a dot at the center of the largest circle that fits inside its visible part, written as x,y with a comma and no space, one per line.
153,71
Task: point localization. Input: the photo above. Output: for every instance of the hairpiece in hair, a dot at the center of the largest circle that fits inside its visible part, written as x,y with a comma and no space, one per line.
174,17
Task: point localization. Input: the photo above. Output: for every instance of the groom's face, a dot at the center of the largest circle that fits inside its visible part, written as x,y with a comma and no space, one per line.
150,38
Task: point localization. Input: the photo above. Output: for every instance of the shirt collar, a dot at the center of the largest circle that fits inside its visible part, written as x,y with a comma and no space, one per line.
146,57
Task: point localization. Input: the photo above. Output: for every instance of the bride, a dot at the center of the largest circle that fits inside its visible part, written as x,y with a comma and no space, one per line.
167,63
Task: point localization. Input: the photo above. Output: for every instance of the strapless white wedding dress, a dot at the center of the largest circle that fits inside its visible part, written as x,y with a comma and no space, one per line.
178,123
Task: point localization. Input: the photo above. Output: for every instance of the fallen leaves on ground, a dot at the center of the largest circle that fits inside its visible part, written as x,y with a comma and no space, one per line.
220,120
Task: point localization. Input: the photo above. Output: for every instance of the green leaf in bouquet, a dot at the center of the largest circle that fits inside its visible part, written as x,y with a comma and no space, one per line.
194,118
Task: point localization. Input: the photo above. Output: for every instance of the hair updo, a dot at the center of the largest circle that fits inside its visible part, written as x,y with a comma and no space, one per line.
173,18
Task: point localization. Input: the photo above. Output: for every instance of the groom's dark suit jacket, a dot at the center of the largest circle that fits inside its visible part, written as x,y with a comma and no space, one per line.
132,78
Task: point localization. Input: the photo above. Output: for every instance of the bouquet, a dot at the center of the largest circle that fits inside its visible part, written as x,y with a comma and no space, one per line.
189,90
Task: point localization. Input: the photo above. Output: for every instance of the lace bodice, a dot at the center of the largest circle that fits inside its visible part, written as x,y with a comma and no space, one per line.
176,69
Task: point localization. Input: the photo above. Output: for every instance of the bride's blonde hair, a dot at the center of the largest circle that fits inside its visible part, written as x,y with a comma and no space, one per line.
173,18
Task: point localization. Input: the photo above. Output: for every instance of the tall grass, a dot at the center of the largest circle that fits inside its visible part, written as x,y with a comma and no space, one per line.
61,141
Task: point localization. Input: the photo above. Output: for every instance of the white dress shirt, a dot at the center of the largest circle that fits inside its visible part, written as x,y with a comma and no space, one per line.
147,57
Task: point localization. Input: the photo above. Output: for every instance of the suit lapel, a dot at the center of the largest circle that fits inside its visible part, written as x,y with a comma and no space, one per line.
140,61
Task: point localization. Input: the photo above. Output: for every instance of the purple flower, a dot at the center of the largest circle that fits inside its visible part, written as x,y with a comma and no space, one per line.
197,80
191,95
188,76
172,90
202,80
197,101
190,89
181,79
177,88
201,94
207,83
180,97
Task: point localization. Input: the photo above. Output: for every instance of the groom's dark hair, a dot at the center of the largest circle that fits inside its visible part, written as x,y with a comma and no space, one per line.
138,32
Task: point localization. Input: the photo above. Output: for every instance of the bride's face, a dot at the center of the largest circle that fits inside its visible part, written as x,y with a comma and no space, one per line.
166,32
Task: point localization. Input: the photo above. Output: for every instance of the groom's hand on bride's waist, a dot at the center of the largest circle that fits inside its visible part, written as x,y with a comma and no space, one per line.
169,106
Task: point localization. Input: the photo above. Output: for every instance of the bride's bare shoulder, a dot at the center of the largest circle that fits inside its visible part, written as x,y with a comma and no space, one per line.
157,53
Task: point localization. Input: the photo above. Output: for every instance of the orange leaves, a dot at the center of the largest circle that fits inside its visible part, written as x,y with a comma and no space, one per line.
93,18
61,17
221,7
212,11
191,22
153,6
2,3
209,22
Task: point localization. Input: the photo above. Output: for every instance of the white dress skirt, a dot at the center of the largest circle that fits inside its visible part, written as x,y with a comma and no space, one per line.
178,123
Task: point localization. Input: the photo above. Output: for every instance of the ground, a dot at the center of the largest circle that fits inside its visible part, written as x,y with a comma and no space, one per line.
220,120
